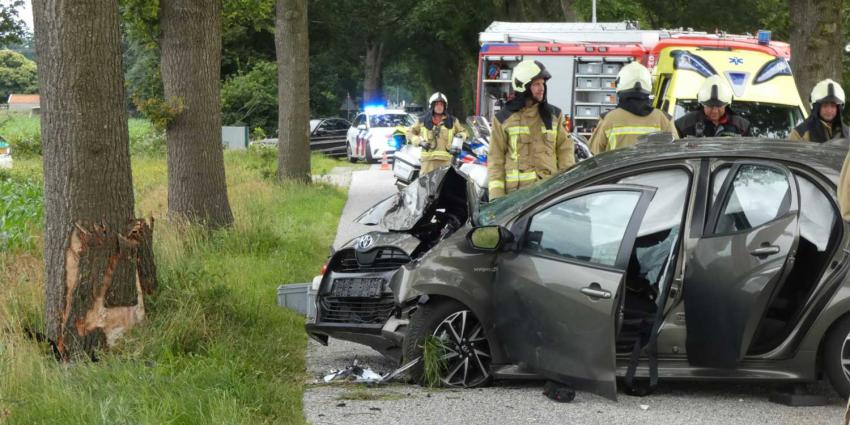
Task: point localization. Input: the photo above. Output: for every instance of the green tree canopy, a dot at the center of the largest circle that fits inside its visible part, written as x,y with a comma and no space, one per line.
17,74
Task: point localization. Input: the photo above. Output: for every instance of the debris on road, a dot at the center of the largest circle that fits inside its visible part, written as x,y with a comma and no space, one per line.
559,392
644,407
358,374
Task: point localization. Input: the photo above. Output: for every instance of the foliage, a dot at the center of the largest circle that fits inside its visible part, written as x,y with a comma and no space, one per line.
23,133
251,98
21,211
434,362
159,111
12,27
215,347
17,74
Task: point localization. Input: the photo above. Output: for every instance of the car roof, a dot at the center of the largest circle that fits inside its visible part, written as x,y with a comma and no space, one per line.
827,158
385,112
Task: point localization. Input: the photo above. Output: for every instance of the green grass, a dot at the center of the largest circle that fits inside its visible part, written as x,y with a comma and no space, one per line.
215,348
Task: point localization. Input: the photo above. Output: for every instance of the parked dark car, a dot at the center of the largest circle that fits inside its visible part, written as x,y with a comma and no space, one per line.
327,136
727,258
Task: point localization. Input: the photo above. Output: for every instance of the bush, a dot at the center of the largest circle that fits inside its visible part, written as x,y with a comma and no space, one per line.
251,98
21,211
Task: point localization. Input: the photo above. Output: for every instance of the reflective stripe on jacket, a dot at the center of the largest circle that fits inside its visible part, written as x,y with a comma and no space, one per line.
620,128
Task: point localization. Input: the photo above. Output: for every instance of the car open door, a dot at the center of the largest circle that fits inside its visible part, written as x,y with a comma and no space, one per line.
556,295
746,250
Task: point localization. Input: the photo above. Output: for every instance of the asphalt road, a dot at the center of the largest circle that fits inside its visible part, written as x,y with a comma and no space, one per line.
521,403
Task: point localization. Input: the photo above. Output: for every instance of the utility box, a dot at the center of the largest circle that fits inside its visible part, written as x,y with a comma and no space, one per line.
233,137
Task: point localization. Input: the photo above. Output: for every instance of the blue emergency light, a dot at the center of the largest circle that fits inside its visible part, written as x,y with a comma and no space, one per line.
764,37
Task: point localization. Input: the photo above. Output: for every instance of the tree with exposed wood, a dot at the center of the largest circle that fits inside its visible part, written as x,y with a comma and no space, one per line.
190,46
98,258
293,92
817,42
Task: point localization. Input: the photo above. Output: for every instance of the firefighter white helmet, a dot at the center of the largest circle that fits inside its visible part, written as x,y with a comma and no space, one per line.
438,97
526,72
634,76
715,91
827,91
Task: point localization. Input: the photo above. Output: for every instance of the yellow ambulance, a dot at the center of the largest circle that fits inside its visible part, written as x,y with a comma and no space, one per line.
759,74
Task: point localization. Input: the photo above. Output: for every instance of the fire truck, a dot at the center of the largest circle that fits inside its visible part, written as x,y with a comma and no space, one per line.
584,59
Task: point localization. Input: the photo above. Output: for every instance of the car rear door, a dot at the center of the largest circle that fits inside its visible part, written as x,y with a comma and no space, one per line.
556,295
746,249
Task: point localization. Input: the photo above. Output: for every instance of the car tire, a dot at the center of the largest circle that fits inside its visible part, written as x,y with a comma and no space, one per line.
468,365
836,351
348,154
369,158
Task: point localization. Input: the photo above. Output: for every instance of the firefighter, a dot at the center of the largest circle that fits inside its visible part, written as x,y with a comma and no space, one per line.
825,121
529,142
715,118
634,115
434,132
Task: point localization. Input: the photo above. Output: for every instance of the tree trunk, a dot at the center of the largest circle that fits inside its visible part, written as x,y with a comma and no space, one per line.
293,94
568,8
98,258
374,80
817,42
191,67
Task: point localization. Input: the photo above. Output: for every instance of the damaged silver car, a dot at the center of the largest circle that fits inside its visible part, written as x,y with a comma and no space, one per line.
698,260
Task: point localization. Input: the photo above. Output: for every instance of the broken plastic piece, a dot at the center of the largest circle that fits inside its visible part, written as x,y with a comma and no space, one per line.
403,368
559,392
353,373
644,407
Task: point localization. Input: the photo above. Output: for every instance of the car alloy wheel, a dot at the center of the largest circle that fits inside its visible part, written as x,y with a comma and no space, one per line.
467,352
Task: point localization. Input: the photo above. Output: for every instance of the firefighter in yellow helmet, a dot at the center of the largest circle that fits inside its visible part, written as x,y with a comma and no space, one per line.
715,118
825,121
634,115
529,141
434,132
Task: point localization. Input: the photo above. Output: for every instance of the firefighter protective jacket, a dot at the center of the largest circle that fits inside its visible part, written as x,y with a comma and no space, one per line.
524,151
436,140
620,128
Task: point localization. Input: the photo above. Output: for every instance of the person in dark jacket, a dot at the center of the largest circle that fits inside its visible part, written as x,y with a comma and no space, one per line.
716,118
825,121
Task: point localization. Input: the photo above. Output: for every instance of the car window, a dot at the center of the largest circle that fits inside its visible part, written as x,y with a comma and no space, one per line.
361,119
766,119
325,126
717,182
818,216
314,124
390,120
668,205
587,228
758,195
341,124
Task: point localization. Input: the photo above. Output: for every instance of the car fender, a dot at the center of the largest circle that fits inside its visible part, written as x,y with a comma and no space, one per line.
837,307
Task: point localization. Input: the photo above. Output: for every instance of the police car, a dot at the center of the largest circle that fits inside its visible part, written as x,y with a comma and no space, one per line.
370,136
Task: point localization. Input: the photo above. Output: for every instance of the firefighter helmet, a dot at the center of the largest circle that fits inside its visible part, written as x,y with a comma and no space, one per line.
527,71
438,97
715,91
634,76
827,91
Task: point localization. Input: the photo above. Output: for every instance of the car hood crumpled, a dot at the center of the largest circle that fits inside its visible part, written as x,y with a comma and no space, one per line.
405,209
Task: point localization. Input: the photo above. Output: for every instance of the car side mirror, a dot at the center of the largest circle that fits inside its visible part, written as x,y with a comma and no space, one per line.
361,127
489,238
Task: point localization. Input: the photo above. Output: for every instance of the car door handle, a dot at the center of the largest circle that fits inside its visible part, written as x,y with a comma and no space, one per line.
594,291
765,251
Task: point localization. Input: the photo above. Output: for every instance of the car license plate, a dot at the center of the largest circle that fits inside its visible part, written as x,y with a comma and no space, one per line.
358,287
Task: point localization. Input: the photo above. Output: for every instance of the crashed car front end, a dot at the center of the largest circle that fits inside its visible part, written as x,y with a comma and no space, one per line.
355,300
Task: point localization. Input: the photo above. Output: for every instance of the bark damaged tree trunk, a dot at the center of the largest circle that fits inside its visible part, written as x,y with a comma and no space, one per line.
96,274
191,68
817,42
293,94
373,81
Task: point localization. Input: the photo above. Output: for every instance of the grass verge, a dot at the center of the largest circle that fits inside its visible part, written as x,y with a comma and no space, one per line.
215,347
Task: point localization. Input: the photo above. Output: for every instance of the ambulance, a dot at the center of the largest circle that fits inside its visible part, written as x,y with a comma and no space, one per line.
584,59
759,74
